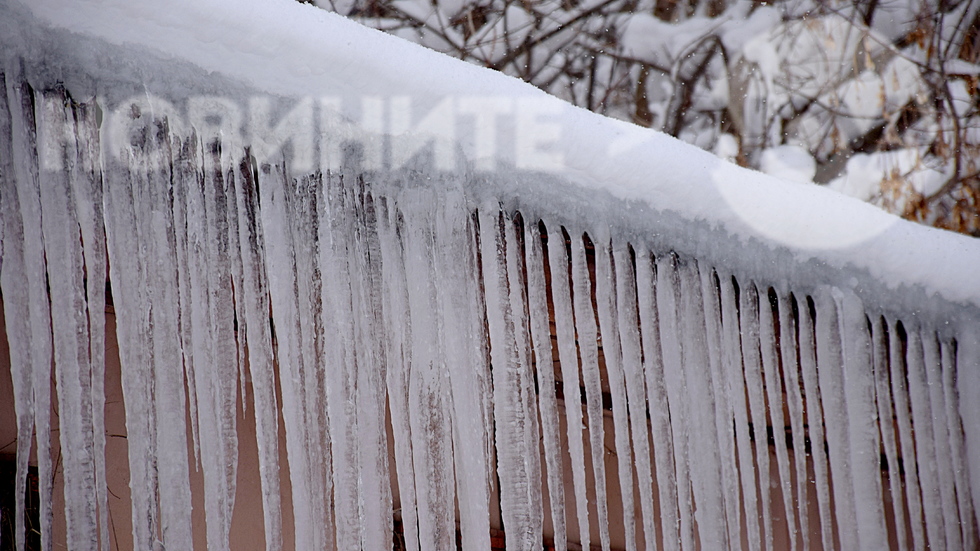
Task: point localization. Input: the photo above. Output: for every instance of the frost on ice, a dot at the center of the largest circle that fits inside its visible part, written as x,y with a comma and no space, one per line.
427,357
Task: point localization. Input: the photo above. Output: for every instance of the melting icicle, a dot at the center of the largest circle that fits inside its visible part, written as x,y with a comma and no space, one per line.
788,346
702,440
254,296
588,348
774,395
16,312
925,452
458,277
653,366
636,393
959,468
864,445
940,439
565,328
724,415
399,359
612,351
735,378
668,308
752,357
886,420
537,296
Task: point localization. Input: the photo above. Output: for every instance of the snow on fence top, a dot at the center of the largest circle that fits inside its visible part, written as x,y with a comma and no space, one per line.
494,131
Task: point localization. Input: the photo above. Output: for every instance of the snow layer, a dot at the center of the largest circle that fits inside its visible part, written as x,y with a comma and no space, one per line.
297,51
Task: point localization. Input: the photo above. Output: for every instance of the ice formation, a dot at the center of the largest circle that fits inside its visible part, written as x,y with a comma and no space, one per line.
759,392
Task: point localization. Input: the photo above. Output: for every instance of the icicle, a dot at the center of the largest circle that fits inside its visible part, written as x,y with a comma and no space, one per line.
832,393
69,323
774,395
788,339
864,445
703,452
558,262
87,189
152,178
612,352
375,522
303,445
399,359
925,452
509,387
653,366
531,538
752,357
900,392
815,421
668,308
968,391
254,296
636,393
458,278
886,422
735,377
430,412
537,295
16,313
724,415
588,348
959,467
127,273
25,173
940,439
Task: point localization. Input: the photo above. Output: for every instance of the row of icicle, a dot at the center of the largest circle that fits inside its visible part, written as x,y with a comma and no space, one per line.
389,304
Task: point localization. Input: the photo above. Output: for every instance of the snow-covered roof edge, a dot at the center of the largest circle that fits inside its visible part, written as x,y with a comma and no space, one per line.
283,48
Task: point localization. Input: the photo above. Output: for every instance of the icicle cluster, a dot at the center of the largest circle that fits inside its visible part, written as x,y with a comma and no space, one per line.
468,360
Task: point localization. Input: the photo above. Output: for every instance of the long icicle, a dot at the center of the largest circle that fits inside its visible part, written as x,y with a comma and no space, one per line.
565,328
585,323
537,294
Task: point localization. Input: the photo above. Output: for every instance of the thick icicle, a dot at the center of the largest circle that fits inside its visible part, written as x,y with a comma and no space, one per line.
968,383
636,392
668,308
612,352
774,396
940,439
925,451
304,444
864,445
509,386
959,467
662,437
788,347
87,190
458,277
125,272
886,422
752,361
155,221
430,411
558,262
814,408
735,378
724,416
254,296
703,455
585,324
537,296
832,393
900,392
399,359
68,323
16,313
25,174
